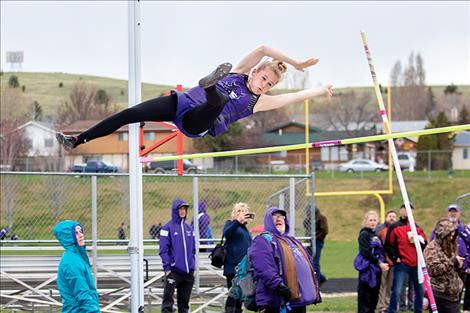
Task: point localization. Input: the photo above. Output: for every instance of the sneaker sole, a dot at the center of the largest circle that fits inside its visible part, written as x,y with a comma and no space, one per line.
220,72
61,139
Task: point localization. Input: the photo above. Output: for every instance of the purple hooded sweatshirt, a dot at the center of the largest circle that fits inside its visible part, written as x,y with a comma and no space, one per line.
177,245
264,257
204,221
241,103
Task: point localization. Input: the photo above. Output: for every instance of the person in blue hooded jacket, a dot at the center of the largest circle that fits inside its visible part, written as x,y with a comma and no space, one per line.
74,279
177,250
283,269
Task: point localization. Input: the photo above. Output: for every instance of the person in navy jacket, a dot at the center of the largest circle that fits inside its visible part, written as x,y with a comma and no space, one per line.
177,250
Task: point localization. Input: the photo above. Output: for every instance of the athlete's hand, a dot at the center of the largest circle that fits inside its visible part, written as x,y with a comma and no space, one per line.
301,65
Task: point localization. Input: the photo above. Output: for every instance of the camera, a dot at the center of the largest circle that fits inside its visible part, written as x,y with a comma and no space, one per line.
250,215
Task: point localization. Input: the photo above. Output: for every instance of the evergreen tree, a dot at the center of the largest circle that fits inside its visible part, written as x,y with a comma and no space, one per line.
13,81
464,117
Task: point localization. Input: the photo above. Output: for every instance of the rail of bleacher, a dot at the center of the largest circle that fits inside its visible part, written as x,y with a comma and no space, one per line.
28,271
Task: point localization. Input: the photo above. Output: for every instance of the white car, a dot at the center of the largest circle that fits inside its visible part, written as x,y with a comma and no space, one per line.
406,160
362,165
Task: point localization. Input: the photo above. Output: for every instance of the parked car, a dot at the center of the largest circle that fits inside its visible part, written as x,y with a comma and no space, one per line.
406,160
162,167
98,166
77,168
362,165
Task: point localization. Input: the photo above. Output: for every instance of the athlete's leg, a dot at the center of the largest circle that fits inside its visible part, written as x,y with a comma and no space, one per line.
158,109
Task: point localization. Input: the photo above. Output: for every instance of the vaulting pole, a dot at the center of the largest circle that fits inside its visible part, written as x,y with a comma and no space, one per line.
422,271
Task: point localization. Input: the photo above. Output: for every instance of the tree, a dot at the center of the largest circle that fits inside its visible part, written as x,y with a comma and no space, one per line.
102,101
433,143
84,103
37,111
221,143
411,99
13,143
13,81
351,111
464,117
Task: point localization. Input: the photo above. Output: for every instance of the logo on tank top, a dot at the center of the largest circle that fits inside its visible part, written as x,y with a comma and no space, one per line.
234,90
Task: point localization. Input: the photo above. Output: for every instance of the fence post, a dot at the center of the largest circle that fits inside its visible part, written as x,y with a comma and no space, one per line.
429,164
94,228
312,214
292,205
196,229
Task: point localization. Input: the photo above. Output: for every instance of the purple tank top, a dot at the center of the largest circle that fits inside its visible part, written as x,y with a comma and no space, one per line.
241,103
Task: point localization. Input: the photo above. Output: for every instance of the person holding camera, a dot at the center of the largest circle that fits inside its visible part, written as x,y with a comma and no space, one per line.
238,240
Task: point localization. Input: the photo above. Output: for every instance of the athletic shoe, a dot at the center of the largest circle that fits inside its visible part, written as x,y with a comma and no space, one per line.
68,142
220,72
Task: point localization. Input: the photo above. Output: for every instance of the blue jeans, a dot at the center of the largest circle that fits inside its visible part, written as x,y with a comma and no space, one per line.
400,273
316,261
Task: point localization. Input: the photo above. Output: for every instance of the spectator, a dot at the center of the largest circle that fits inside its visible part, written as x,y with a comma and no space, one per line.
121,234
238,240
74,279
154,231
387,276
444,265
370,262
283,268
205,230
463,249
321,230
400,248
177,250
3,233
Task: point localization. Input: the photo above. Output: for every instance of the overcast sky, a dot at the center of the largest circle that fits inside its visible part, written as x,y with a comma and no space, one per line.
181,41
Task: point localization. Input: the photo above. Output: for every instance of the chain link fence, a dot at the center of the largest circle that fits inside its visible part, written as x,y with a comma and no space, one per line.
32,203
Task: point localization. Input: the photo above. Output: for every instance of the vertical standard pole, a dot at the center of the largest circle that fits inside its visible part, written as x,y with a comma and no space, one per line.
196,228
179,143
135,170
292,205
94,227
307,140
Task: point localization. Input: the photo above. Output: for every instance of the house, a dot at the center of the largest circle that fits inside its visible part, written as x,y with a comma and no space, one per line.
42,152
461,151
293,132
40,139
114,148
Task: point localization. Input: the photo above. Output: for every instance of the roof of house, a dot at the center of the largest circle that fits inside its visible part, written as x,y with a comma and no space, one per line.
45,126
299,137
82,125
462,139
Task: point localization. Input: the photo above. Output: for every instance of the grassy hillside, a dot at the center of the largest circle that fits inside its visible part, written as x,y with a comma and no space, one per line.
44,88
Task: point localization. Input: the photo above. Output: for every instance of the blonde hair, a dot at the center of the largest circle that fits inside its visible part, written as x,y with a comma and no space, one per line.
366,217
238,205
278,67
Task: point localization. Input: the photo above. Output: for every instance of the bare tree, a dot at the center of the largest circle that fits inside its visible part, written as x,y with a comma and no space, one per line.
351,111
13,143
84,103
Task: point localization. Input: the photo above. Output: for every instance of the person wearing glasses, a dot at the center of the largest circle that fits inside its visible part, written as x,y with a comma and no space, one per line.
221,98
283,269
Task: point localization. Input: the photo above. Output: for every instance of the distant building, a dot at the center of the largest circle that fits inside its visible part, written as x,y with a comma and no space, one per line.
40,139
461,151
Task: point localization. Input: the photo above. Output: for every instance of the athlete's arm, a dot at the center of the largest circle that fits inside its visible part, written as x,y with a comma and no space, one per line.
254,57
266,102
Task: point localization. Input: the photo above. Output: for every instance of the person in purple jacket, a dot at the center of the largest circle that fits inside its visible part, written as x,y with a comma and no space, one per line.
282,267
177,250
222,98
